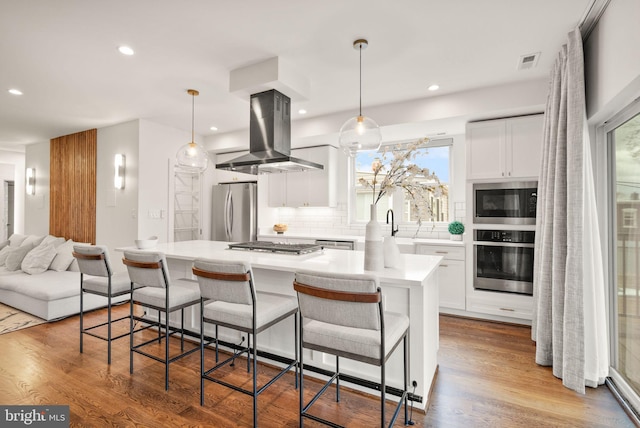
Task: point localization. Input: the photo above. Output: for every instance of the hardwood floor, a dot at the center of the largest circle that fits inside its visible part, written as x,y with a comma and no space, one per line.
487,378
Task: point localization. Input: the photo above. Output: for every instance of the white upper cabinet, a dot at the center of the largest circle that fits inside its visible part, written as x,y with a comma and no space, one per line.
504,148
312,188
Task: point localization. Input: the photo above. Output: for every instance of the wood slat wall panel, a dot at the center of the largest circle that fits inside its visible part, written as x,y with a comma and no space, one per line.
72,207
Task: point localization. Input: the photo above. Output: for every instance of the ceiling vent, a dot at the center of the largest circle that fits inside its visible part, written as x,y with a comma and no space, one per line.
528,61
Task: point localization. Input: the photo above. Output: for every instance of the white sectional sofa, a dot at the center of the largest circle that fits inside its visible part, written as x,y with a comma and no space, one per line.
39,275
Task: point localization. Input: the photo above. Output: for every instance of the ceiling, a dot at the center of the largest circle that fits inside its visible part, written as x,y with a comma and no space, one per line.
63,56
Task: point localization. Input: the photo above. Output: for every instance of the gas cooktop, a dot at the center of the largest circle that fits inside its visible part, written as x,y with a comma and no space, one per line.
276,247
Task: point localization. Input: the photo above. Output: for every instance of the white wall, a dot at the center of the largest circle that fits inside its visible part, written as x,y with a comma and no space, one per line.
37,206
116,210
157,149
17,159
612,61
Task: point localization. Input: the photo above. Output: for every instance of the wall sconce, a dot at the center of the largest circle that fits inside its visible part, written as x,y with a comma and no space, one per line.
118,176
31,181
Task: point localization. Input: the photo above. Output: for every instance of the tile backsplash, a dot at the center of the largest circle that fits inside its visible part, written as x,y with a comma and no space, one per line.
335,221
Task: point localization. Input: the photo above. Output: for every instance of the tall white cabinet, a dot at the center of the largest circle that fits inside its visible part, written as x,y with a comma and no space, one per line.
500,150
504,148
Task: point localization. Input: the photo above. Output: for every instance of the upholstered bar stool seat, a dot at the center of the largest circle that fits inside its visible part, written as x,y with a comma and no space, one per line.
342,315
271,307
229,299
355,343
120,284
97,277
160,292
183,292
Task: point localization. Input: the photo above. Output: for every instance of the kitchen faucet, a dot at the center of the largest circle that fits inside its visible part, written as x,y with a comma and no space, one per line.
393,230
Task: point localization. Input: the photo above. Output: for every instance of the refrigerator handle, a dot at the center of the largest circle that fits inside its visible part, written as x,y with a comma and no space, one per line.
226,215
230,215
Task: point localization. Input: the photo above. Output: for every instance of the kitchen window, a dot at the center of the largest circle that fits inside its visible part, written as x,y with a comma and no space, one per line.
436,157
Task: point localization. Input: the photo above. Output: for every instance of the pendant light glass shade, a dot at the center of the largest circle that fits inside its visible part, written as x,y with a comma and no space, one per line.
361,132
358,134
191,156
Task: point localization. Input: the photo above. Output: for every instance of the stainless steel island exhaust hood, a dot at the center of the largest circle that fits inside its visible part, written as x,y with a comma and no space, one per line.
269,138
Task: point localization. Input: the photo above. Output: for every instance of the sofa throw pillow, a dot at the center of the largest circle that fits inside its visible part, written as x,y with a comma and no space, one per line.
34,240
4,253
38,260
15,257
54,240
63,257
16,239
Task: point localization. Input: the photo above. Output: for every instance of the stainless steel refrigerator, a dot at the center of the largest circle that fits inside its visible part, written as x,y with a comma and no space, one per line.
234,212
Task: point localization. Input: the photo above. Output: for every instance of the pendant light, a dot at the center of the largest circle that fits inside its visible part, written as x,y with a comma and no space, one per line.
360,133
192,156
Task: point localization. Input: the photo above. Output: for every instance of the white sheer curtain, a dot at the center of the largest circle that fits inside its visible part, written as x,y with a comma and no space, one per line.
569,321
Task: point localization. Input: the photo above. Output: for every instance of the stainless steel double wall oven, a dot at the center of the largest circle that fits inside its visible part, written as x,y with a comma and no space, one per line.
504,231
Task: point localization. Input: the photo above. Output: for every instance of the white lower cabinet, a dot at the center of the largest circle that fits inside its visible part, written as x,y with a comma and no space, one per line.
451,274
508,305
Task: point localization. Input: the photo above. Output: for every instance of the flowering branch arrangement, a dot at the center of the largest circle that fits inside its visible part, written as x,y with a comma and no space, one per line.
395,169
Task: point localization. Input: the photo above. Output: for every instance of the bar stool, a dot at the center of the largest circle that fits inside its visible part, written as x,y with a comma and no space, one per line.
229,299
97,277
149,269
342,315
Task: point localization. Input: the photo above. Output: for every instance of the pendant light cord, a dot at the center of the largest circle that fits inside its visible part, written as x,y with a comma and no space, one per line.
360,49
193,101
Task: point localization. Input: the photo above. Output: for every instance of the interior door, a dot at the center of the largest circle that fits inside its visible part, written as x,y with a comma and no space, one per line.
9,207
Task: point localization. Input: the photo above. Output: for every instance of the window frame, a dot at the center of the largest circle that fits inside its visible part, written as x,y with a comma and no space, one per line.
397,197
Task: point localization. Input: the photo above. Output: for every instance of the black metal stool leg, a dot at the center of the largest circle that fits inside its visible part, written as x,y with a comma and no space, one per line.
201,353
338,379
109,323
383,387
81,314
131,335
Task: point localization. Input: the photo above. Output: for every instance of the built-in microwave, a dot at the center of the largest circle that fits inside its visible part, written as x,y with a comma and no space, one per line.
505,203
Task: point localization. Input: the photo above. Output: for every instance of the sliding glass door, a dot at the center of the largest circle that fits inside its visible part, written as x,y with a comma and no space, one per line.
623,137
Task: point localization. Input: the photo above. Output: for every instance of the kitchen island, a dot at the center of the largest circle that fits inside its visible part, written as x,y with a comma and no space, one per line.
411,289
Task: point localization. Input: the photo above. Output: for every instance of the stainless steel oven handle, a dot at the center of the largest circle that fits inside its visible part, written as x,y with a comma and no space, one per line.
503,244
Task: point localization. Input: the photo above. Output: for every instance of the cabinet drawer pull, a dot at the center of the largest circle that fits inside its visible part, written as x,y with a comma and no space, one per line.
444,265
442,252
507,309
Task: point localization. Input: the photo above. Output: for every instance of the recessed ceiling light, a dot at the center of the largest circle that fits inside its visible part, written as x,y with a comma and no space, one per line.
125,50
433,87
15,91
302,111
214,128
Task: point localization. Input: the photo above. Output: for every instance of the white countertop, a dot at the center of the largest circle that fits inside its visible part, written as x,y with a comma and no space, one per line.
414,270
